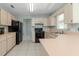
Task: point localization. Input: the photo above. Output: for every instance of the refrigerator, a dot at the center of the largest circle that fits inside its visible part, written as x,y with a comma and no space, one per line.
16,27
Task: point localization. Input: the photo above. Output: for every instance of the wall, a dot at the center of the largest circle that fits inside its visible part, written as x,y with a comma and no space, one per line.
27,29
27,34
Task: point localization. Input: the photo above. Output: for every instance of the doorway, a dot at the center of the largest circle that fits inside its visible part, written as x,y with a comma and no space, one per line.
27,29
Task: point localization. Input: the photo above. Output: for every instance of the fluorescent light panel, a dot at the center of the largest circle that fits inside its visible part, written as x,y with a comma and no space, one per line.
31,7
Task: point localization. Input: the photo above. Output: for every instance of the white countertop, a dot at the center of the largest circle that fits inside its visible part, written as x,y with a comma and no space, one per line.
64,45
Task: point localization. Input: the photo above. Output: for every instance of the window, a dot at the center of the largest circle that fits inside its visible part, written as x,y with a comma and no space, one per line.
60,21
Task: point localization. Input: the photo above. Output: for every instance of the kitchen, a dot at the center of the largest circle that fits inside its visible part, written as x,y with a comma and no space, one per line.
56,32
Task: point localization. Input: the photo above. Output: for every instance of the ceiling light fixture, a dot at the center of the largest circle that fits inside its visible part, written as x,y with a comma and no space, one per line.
31,6
12,6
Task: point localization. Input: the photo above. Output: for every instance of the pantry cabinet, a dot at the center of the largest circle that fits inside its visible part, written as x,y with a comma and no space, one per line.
71,13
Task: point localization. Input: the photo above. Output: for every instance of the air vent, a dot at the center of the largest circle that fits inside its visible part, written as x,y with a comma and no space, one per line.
12,6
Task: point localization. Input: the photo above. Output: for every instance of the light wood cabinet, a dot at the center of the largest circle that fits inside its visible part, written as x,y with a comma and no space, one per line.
75,13
71,13
0,48
11,41
9,44
7,41
52,21
6,17
68,13
3,17
4,46
39,20
9,19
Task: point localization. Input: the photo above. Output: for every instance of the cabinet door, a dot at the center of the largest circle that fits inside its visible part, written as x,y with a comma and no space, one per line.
13,41
4,46
52,21
9,43
9,19
3,20
76,13
0,48
68,13
10,40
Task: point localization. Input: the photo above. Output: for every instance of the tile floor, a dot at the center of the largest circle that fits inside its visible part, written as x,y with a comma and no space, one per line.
28,48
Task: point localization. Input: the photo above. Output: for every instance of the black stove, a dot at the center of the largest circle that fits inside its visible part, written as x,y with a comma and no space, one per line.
39,34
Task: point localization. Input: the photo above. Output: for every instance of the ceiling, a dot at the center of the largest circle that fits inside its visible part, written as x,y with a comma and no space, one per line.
40,9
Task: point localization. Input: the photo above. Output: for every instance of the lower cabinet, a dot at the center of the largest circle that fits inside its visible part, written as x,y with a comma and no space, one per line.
4,46
10,41
0,48
7,41
9,44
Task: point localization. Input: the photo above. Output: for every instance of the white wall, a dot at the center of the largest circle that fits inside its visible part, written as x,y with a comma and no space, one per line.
27,29
27,34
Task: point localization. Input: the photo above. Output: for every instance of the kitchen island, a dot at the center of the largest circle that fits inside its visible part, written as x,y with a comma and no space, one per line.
64,45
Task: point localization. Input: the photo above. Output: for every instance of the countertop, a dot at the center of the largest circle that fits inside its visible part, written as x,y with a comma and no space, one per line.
8,33
64,45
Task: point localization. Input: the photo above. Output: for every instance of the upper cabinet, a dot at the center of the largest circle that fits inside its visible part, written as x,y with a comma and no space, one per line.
52,21
76,13
9,18
39,20
71,13
68,13
6,17
3,17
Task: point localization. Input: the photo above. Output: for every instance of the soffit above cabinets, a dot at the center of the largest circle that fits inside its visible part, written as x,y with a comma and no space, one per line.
22,9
